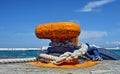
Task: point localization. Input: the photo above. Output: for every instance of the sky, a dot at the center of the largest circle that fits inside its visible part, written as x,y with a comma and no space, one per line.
99,21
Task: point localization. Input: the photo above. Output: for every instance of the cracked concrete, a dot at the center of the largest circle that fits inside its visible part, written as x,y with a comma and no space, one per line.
105,67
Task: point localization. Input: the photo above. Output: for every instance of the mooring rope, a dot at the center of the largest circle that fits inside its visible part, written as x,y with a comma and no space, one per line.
67,56
17,60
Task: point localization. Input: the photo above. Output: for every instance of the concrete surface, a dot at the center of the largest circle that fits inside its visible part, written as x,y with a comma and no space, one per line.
105,67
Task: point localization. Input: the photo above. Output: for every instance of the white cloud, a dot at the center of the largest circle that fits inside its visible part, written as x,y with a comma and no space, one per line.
114,42
91,5
92,35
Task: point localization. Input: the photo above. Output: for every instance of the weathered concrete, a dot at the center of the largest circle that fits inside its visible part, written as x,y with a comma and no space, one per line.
105,67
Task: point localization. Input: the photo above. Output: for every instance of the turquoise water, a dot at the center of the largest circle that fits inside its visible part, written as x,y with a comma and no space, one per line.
20,54
29,53
116,51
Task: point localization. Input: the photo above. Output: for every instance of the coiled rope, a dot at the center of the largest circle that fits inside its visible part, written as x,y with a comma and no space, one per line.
67,56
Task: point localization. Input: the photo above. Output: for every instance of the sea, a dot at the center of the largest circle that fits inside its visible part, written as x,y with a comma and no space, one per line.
29,52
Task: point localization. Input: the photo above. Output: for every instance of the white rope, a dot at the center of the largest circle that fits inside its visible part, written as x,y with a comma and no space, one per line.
17,60
67,56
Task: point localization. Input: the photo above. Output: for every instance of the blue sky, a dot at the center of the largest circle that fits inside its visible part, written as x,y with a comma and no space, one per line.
99,20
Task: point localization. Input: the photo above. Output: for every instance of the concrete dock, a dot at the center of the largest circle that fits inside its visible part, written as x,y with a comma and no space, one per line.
105,67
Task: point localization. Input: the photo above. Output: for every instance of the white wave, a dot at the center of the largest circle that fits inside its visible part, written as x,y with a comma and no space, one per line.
16,49
116,48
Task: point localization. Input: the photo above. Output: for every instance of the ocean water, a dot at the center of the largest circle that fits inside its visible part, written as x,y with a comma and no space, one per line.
116,51
19,53
29,53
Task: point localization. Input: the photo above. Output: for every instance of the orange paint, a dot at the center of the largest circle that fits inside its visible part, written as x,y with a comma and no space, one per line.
58,32
85,64
75,41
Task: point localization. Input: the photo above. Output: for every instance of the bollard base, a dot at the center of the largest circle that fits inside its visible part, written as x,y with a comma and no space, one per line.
79,65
